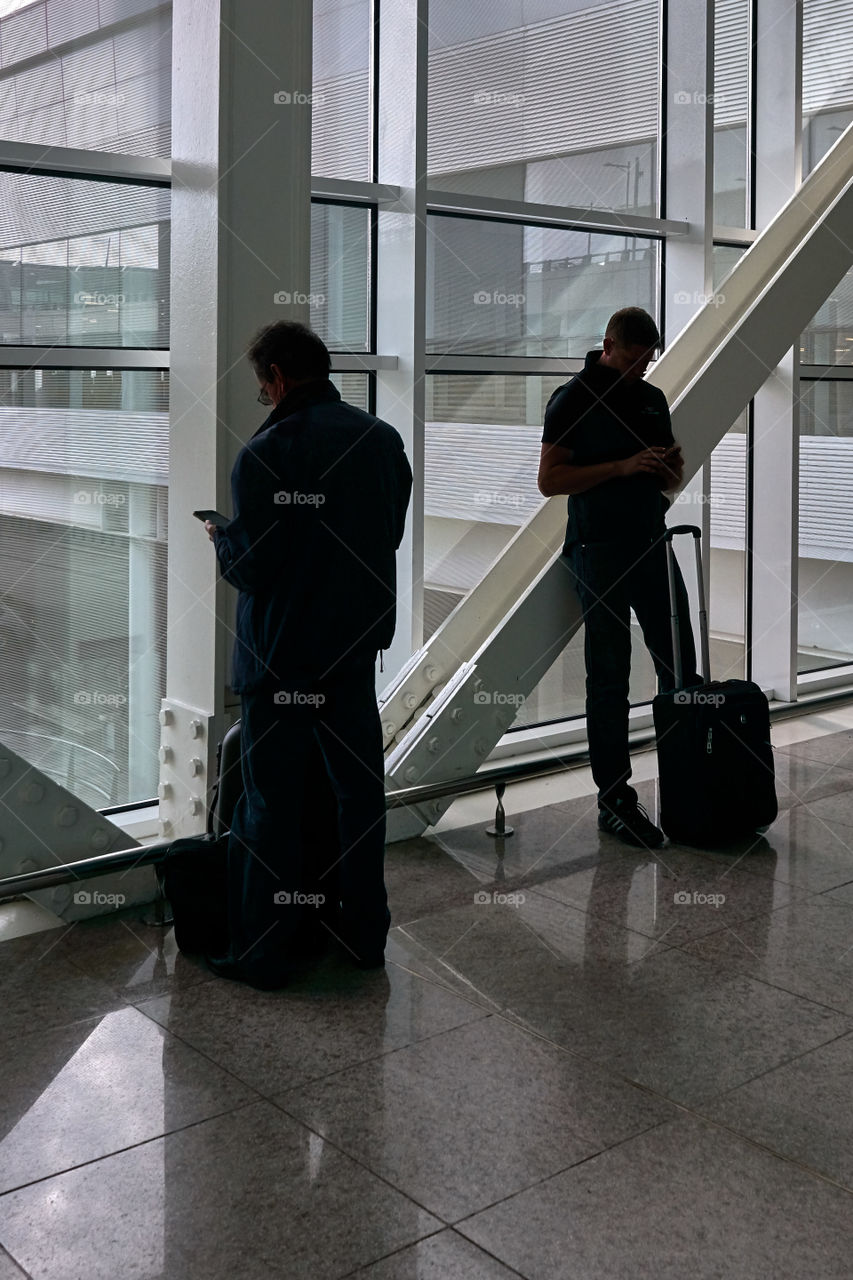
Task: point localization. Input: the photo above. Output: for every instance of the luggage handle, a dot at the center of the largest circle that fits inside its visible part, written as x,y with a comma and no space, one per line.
677,668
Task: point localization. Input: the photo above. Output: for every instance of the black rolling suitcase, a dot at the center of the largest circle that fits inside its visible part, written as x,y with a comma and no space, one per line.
715,761
193,876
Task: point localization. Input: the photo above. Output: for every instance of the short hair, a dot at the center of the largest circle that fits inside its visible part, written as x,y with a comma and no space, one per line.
632,326
297,350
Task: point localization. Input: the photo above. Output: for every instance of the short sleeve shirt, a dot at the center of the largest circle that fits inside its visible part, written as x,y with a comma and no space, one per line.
602,418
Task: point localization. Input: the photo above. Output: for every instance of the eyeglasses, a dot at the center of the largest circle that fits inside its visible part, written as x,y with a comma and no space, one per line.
264,397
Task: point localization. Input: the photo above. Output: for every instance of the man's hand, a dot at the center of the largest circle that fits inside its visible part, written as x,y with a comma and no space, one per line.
652,461
209,526
673,467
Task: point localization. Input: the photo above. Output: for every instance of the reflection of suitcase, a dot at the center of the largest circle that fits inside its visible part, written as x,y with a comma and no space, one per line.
195,872
715,761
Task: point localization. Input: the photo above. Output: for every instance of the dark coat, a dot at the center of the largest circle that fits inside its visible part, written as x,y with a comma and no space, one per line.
320,494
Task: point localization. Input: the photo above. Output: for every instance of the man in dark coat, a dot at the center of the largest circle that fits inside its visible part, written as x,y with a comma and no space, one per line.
320,494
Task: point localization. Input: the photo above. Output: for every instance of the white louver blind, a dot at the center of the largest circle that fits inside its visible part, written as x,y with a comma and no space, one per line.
547,88
341,106
827,55
731,62
826,497
107,91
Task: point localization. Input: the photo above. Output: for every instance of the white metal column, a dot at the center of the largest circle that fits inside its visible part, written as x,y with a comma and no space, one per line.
240,236
400,284
688,177
775,499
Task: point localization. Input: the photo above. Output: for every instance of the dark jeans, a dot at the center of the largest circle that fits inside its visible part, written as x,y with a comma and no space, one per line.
612,578
280,856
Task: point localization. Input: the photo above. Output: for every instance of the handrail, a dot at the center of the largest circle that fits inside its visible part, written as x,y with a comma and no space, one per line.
153,854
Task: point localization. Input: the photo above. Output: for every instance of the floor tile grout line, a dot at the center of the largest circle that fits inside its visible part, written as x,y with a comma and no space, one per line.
513,1271
25,1275
767,982
131,1146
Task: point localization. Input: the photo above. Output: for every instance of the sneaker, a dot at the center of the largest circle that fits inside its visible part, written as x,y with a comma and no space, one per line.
630,823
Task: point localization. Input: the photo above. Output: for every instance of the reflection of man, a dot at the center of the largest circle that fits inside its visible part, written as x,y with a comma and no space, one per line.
320,495
608,444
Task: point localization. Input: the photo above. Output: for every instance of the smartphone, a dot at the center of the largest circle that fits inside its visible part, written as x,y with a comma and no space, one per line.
215,517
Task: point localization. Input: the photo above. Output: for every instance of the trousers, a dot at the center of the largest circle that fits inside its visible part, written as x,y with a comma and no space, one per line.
611,578
303,854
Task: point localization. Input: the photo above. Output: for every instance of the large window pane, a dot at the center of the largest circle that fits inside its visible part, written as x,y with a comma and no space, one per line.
482,444
829,337
826,525
827,76
554,101
731,109
83,263
340,275
85,75
497,288
83,484
341,108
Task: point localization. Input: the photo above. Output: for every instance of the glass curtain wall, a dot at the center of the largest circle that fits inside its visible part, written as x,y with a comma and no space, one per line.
84,267
825,627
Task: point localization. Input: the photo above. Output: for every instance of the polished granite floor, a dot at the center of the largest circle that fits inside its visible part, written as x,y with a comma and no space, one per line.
580,1062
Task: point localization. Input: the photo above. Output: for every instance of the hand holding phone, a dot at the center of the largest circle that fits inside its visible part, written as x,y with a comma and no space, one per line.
215,517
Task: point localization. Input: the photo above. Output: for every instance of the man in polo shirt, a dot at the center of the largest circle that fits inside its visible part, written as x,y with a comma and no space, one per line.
608,444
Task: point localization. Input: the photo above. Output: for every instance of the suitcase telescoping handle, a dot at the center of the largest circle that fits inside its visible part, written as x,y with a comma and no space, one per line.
673,603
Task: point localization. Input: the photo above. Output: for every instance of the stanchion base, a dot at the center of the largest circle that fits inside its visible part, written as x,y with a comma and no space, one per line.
506,831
